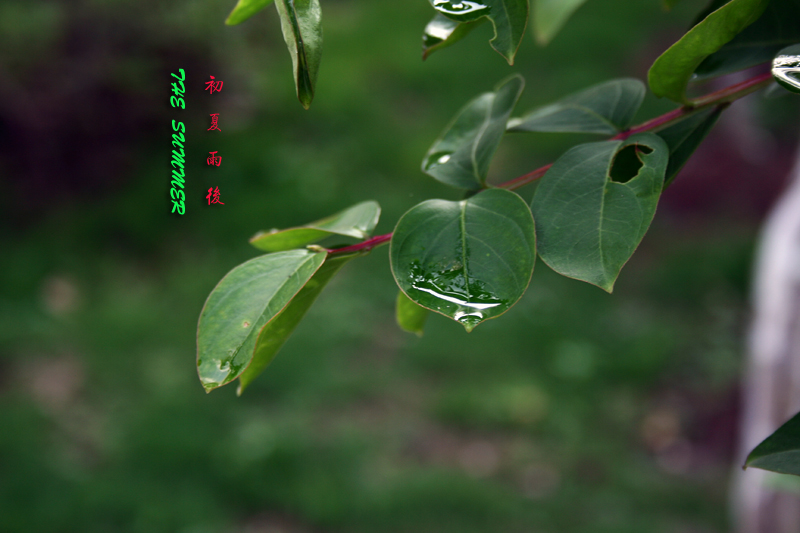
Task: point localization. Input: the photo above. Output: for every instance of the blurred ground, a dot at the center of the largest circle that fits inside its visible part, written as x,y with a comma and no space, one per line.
576,412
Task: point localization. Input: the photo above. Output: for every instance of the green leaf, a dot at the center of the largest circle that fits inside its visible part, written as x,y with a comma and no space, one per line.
442,32
469,260
410,316
671,72
241,304
684,137
280,327
758,43
606,108
461,155
549,16
509,18
780,452
357,221
594,205
301,22
786,68
244,10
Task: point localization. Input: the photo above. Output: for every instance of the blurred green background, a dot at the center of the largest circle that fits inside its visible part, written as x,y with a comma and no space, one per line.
577,411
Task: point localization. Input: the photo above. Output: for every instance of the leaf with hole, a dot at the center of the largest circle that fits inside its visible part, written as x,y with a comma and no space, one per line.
460,157
357,221
277,331
684,137
469,260
241,304
606,108
442,32
670,74
780,452
244,10
508,17
301,23
549,16
594,206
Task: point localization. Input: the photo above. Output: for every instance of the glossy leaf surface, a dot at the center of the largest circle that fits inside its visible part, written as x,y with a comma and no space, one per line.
606,108
357,221
301,23
244,10
684,137
442,32
786,68
758,43
594,205
410,316
276,332
460,157
671,72
469,260
549,16
509,18
241,304
780,452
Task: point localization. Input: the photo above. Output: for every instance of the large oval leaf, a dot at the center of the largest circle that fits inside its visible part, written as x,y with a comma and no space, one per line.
280,327
594,205
461,155
357,221
606,108
549,16
241,304
671,72
301,23
442,32
509,18
469,260
244,10
780,452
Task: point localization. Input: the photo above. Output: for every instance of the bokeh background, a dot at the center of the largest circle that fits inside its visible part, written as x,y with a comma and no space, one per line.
576,412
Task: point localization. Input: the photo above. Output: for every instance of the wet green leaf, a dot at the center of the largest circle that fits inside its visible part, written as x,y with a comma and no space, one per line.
780,452
357,221
758,43
244,10
786,68
241,304
606,108
594,206
442,32
671,72
469,260
460,157
410,316
509,18
280,327
301,22
549,16
684,137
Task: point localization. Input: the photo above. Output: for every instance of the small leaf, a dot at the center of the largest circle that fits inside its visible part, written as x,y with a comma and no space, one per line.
509,18
549,16
786,68
460,157
606,108
241,304
280,327
442,32
780,452
594,205
244,10
671,72
684,137
410,316
357,221
758,43
469,260
301,23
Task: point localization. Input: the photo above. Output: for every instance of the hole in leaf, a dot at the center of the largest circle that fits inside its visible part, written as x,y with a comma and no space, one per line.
627,163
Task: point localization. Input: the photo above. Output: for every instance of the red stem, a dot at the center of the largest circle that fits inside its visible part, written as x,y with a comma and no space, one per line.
365,246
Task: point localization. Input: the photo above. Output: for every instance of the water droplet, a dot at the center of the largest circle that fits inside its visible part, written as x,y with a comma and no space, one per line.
444,159
458,8
786,68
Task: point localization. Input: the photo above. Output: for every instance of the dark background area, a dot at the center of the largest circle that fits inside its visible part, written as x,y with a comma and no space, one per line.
577,411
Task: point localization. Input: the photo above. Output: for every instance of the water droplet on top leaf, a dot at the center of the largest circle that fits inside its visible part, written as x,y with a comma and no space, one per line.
456,8
786,68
